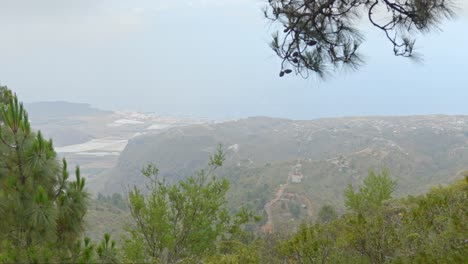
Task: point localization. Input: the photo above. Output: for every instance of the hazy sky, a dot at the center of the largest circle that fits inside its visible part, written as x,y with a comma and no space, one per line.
210,58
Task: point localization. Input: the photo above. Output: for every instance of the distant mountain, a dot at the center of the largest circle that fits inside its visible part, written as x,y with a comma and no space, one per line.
93,138
61,109
64,122
419,151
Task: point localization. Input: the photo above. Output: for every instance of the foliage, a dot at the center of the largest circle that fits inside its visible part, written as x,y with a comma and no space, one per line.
41,210
327,214
183,221
39,207
107,251
319,35
376,189
419,155
5,95
116,199
311,244
295,209
429,228
42,216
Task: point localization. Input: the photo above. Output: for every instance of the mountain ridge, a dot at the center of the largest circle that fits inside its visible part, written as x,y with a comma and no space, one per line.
420,152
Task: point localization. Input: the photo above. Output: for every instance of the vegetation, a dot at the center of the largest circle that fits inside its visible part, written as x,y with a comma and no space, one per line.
184,222
321,35
333,153
376,189
41,210
104,218
201,219
430,228
115,199
42,216
39,205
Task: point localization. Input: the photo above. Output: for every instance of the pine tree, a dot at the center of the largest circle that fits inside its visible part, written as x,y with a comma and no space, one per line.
322,35
41,210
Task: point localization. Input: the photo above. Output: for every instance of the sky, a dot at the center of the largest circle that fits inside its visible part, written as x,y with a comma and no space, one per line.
210,58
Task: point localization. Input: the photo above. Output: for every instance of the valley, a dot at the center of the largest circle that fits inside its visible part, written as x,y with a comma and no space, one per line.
284,170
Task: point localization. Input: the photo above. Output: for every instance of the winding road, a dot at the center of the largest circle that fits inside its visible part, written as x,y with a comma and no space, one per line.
268,226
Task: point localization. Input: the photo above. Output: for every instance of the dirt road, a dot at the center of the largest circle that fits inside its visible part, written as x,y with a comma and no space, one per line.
268,226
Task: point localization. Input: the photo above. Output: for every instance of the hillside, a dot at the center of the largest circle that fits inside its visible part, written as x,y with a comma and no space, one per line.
93,138
419,151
